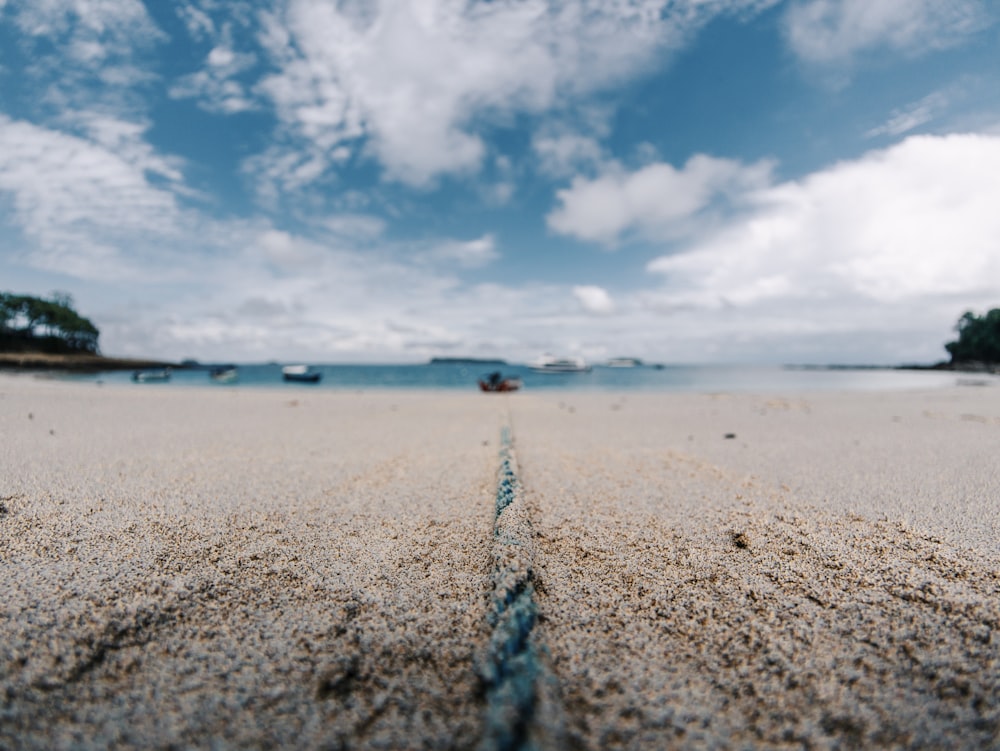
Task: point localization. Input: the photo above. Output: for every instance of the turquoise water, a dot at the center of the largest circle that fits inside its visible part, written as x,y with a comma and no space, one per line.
462,377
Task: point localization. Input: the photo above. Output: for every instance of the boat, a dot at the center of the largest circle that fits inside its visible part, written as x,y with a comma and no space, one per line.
624,362
301,374
495,382
552,364
151,376
224,374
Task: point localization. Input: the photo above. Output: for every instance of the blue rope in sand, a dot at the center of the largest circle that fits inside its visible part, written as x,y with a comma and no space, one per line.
511,668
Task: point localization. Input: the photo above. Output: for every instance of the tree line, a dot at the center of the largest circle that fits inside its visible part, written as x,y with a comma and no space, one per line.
47,325
978,339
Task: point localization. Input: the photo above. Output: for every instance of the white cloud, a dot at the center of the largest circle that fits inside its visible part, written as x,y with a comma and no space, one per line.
912,116
125,140
281,170
899,238
469,254
411,82
595,300
217,86
199,23
97,29
356,227
565,153
657,199
97,42
833,31
77,198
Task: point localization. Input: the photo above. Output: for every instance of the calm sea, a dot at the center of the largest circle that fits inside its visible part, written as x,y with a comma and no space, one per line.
460,377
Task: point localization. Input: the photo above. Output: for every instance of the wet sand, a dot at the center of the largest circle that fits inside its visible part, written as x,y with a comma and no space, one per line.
233,568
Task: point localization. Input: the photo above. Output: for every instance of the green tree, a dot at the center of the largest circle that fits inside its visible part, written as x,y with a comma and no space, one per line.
978,338
28,322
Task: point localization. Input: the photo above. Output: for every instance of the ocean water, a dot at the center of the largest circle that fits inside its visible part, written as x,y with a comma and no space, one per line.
464,376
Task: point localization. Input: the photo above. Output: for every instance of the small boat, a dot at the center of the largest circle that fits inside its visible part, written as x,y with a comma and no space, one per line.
551,364
496,383
624,362
301,374
151,376
224,374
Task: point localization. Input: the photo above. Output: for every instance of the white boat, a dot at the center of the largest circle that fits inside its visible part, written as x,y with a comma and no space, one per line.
301,373
624,362
552,364
224,374
151,376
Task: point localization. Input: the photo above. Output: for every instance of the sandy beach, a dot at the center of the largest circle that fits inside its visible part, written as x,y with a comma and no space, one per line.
239,568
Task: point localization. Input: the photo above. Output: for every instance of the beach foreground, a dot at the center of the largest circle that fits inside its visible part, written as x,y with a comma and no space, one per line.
239,568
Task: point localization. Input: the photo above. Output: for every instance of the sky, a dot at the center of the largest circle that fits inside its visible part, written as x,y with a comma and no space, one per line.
685,181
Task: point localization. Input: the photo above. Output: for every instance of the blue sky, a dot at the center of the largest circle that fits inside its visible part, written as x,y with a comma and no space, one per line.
361,181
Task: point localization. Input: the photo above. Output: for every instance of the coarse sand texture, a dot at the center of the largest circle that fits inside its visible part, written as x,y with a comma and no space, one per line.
229,569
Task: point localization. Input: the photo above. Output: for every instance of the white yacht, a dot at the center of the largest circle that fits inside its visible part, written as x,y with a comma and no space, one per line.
553,364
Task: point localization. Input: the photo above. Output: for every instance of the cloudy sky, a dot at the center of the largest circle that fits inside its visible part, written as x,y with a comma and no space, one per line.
385,181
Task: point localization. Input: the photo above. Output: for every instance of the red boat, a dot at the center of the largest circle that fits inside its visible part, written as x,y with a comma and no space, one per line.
496,383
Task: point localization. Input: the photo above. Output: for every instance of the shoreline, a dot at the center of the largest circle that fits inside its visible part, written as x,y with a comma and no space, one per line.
80,363
41,361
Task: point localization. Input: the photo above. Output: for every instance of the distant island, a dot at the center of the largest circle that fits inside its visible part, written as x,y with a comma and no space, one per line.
78,363
465,361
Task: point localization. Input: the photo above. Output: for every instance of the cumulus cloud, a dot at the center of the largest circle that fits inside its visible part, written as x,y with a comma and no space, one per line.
78,198
834,31
657,199
593,299
411,82
911,228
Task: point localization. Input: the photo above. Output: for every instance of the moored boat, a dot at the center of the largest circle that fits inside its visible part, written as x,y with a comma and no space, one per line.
495,382
552,364
151,376
301,374
224,374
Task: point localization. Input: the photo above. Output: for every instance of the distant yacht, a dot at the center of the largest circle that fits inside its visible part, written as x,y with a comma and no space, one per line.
624,362
552,364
